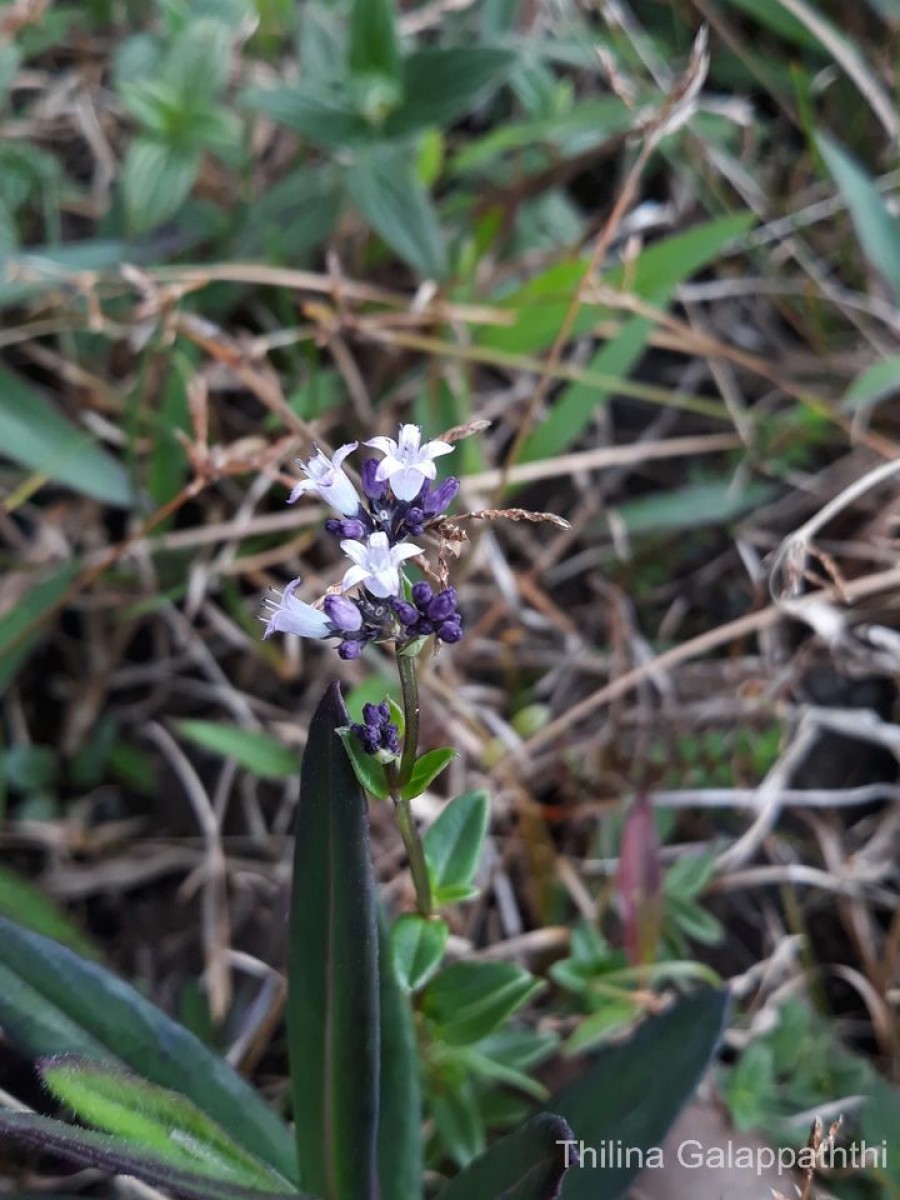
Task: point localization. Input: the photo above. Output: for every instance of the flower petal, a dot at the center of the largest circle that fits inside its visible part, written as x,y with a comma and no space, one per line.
436,448
407,550
305,485
387,467
353,576
385,444
407,482
341,453
356,551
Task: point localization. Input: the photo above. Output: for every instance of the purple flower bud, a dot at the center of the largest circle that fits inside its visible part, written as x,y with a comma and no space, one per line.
352,527
441,606
421,594
371,715
390,738
450,632
407,613
350,649
384,711
422,628
374,488
342,613
369,737
414,522
438,500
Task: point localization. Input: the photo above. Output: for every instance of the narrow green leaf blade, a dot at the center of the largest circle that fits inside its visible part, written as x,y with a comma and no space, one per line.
453,843
877,230
20,899
374,47
38,436
386,190
326,120
873,385
258,752
53,1002
426,770
154,1119
333,1019
526,1165
400,1140
114,1154
635,1089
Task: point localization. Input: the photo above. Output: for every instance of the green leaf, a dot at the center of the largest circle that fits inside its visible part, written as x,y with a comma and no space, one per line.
332,1016
710,502
197,65
326,120
258,752
634,1090
876,383
366,767
53,1002
374,47
155,1119
426,769
400,1140
876,228
36,435
20,628
27,904
156,180
119,1156
468,1000
526,1165
458,1119
453,843
417,945
442,85
384,186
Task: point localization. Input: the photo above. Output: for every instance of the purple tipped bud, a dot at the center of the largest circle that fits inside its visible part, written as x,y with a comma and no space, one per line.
371,715
384,711
439,499
374,488
421,594
450,632
441,606
390,738
350,528
414,521
350,649
343,613
407,613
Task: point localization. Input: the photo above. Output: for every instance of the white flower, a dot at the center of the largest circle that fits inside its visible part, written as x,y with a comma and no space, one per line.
328,479
290,615
376,564
407,463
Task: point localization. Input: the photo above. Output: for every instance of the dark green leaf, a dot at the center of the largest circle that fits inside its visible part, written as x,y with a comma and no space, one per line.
527,1165
259,753
876,228
418,945
400,1148
386,190
333,1019
468,1000
156,180
21,900
442,85
197,65
114,1154
53,1002
35,434
453,843
374,47
366,767
459,1122
426,769
634,1089
20,628
148,1116
326,120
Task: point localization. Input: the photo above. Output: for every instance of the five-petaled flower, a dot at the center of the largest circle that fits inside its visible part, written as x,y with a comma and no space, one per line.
407,463
376,564
290,615
327,477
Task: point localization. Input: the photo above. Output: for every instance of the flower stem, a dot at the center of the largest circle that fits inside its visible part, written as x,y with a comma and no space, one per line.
409,686
400,776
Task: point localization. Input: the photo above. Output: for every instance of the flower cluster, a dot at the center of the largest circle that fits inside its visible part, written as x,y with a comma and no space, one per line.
378,733
400,501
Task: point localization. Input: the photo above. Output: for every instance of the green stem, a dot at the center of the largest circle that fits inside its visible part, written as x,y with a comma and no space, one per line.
418,867
409,686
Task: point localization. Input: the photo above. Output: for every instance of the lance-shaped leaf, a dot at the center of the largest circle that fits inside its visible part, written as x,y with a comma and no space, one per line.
635,1089
400,1144
156,1120
91,1149
426,770
332,1016
527,1165
53,1002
